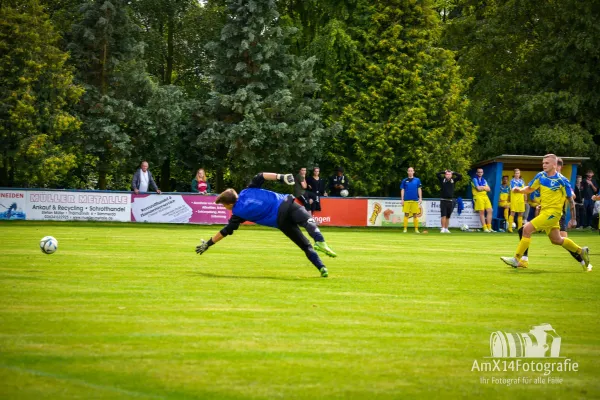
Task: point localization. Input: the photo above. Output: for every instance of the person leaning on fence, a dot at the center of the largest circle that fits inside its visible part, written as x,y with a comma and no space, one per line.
300,190
200,183
447,179
143,180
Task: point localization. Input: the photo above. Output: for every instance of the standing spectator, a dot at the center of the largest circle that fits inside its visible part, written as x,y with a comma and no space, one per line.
301,192
411,197
338,182
317,187
447,180
480,189
578,190
200,183
597,209
142,180
589,189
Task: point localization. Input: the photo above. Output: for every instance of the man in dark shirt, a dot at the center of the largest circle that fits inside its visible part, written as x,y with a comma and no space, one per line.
276,210
317,187
447,181
338,182
301,190
589,188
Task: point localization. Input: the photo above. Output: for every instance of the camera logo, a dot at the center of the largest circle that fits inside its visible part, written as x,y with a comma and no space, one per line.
541,341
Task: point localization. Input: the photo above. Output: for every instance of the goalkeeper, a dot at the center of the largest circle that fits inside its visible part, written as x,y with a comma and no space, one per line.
276,210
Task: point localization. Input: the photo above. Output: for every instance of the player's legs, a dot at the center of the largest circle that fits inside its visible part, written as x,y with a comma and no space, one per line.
489,218
293,232
299,216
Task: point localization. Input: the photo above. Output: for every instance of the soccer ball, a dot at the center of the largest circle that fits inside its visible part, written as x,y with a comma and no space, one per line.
48,245
344,193
464,227
514,225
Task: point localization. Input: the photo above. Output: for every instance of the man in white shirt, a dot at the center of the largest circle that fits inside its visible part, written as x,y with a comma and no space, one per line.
143,180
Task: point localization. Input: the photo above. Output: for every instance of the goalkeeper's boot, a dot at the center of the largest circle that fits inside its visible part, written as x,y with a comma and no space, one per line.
322,246
324,273
585,255
512,261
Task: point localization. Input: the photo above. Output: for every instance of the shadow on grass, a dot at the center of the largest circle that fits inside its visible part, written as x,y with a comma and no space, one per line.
274,278
530,271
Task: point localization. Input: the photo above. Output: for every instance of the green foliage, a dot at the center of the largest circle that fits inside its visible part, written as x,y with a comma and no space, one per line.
36,91
403,104
109,65
263,113
535,71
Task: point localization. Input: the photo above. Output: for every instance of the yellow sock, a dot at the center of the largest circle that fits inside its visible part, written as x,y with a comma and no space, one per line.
523,245
405,222
489,226
519,222
571,246
510,222
416,221
506,213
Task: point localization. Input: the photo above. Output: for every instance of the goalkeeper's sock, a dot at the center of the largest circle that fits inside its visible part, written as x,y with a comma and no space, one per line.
522,247
405,222
510,222
314,258
571,246
520,221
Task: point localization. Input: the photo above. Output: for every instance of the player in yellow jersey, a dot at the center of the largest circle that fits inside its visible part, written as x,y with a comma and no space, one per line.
505,199
517,201
554,190
480,189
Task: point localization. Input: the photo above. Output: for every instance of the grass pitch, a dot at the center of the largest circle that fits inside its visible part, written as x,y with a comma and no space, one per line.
130,311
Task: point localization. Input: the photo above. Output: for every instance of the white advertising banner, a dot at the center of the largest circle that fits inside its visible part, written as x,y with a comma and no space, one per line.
13,204
467,217
382,212
161,208
70,206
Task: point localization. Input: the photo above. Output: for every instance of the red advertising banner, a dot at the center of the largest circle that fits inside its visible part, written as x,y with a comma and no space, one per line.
175,208
337,211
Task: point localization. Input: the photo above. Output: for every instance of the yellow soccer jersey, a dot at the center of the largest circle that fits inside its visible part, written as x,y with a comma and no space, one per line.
554,190
478,182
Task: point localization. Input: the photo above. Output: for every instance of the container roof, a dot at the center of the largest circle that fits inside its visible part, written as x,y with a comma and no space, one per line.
516,161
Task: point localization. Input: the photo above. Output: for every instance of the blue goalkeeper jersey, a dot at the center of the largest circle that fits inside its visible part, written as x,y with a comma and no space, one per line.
259,206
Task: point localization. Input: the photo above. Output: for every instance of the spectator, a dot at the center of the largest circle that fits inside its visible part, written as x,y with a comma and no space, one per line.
338,182
597,211
317,187
306,197
142,180
411,197
579,211
589,189
200,183
447,180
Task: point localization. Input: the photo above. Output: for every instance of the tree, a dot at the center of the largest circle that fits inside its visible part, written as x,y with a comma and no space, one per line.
108,60
402,103
263,112
36,92
535,73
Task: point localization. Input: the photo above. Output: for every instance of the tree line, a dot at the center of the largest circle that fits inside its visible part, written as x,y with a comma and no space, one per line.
91,88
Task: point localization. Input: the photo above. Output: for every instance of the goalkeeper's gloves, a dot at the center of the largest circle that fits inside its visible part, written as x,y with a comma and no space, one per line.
286,178
203,246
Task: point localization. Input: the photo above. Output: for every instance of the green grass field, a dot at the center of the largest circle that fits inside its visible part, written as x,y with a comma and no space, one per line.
130,311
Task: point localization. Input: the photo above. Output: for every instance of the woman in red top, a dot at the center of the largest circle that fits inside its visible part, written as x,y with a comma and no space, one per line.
200,183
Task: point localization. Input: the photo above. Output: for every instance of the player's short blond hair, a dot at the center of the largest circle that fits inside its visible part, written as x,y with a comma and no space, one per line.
229,196
552,156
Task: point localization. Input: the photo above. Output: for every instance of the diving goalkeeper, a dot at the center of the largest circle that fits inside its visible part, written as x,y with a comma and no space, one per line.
276,210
